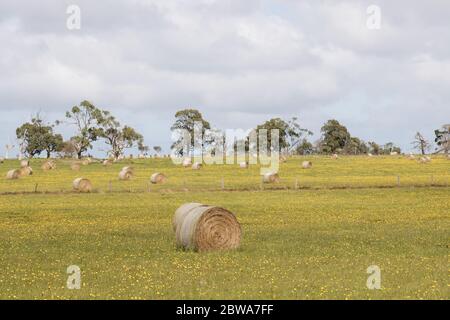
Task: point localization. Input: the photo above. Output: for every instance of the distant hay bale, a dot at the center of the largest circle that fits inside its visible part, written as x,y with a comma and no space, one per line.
411,157
424,159
107,162
197,166
370,155
243,165
82,185
206,228
13,174
26,171
85,162
271,177
394,153
306,164
2,159
24,163
75,166
187,162
283,159
48,165
141,156
334,156
126,173
158,178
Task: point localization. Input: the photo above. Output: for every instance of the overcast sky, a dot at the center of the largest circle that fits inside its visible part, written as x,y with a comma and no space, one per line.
239,62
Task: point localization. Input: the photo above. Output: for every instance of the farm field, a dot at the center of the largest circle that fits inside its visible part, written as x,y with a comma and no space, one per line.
313,239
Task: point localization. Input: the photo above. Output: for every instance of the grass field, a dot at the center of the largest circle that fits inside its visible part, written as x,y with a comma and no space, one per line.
313,241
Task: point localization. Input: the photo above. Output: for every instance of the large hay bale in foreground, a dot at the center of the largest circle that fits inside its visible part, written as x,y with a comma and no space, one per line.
306,164
13,174
206,228
24,163
197,166
158,178
271,177
126,173
26,171
48,165
187,162
82,185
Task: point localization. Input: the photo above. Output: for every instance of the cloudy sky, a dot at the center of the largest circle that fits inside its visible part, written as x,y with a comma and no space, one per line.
239,62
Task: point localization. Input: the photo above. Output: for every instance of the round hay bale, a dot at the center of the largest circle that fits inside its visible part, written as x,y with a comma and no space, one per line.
306,164
206,228
85,162
158,178
24,163
107,162
370,155
187,162
13,174
125,174
243,165
394,153
334,156
283,159
26,171
49,165
75,166
271,177
2,159
197,166
424,159
411,157
82,185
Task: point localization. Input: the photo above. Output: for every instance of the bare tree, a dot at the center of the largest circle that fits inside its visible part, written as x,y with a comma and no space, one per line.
420,143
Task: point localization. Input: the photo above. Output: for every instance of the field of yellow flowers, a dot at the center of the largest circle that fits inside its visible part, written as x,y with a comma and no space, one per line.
312,236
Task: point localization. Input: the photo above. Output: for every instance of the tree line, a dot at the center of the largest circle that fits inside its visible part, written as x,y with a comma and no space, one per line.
294,139
92,124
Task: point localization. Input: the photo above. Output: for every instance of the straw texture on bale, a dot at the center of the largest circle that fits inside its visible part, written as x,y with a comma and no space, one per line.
306,164
26,171
187,162
49,165
24,163
197,166
271,177
158,178
13,174
206,228
82,185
